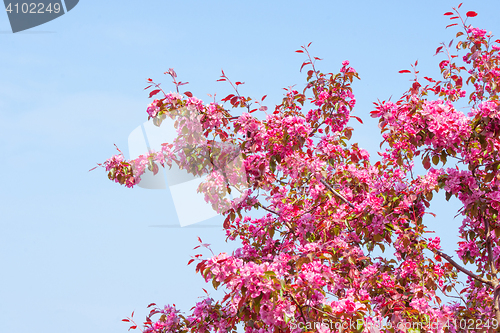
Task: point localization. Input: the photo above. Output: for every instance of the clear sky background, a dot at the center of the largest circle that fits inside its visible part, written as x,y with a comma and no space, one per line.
77,252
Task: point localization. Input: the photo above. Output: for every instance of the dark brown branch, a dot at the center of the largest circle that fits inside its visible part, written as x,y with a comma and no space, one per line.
337,193
278,214
310,210
496,294
496,302
300,308
269,210
326,313
462,269
487,230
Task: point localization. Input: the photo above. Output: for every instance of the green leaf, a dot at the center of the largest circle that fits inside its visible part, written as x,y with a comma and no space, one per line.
272,163
443,157
489,177
382,247
215,283
268,274
497,232
429,196
482,141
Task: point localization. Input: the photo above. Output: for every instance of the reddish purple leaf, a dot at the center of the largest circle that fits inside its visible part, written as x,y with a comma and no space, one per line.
357,118
154,92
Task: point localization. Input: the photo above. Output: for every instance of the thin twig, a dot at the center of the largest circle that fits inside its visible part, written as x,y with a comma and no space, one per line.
459,296
337,194
278,214
300,308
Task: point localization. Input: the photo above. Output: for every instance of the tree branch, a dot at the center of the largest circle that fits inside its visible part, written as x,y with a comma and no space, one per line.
496,302
337,193
300,308
278,214
487,229
462,269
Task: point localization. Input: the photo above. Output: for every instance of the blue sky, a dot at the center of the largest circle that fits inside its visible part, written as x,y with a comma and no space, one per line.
77,251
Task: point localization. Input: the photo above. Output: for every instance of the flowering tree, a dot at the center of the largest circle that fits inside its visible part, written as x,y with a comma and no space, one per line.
308,264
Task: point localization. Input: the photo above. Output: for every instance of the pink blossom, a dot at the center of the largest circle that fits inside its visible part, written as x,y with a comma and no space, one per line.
476,33
434,243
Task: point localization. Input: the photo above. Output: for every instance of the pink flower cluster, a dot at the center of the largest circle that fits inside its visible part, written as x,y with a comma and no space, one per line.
328,206
476,33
